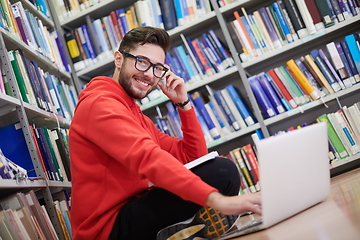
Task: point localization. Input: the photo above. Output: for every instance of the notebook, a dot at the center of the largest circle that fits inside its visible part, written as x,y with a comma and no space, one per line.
294,176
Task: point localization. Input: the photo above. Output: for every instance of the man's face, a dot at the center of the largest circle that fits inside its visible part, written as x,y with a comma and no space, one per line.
136,83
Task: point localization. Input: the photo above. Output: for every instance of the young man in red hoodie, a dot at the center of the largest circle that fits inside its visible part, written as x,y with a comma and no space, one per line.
116,152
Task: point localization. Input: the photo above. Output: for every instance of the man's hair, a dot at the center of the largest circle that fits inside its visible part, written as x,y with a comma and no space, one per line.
141,35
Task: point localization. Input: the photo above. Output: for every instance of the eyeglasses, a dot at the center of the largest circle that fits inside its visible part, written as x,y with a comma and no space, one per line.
143,65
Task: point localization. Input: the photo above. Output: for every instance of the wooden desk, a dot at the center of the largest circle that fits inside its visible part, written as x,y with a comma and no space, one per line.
337,218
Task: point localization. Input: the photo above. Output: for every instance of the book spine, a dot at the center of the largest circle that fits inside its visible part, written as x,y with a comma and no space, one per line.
200,105
337,10
345,62
325,13
305,14
228,59
301,78
295,17
354,50
168,13
331,68
350,60
269,27
240,105
226,110
261,97
282,21
270,93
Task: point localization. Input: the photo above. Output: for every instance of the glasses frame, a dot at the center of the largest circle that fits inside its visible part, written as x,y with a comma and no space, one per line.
151,64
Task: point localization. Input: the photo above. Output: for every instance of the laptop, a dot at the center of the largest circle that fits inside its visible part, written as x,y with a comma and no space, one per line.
294,176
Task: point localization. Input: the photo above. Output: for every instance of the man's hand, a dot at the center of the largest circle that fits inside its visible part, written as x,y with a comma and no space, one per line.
174,88
235,205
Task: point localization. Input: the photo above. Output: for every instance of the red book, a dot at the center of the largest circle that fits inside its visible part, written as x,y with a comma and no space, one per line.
282,88
249,151
116,26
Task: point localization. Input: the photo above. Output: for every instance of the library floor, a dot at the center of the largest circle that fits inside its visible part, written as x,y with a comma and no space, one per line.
337,218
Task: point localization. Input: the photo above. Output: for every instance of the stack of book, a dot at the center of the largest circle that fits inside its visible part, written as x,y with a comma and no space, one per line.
222,112
309,77
286,21
22,24
40,88
23,217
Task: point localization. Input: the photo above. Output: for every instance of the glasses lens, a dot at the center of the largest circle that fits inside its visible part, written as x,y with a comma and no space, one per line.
159,71
142,64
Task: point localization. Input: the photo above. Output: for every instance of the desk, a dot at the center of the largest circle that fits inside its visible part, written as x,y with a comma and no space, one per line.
337,218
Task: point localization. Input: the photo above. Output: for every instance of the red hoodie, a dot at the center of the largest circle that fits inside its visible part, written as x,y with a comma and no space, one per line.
116,151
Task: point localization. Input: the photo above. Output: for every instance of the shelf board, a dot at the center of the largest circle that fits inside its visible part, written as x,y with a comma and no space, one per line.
37,115
12,42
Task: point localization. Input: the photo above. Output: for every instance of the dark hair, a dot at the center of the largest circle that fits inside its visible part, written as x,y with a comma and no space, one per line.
142,35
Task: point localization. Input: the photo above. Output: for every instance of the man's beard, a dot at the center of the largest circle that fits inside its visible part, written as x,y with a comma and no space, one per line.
126,82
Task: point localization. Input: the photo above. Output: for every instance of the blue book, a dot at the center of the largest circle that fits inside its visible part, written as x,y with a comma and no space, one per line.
219,60
331,69
310,77
182,55
100,36
201,120
226,110
353,6
260,36
261,97
252,37
210,56
323,68
332,11
227,57
42,7
88,41
43,89
345,62
240,105
175,119
354,50
200,105
121,13
192,49
168,13
282,21
180,67
350,60
278,92
179,12
217,116
270,93
14,147
269,27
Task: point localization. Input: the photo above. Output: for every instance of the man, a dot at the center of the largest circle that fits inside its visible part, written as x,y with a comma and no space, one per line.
116,152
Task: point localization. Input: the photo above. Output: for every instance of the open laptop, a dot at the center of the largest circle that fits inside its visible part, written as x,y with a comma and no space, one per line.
294,175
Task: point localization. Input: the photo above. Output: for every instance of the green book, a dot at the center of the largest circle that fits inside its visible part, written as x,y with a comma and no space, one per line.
18,76
333,137
52,152
277,23
290,81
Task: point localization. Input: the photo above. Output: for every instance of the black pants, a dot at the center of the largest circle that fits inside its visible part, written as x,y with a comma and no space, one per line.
144,216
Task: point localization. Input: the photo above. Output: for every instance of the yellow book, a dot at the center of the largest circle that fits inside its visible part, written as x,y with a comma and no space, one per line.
301,79
130,19
309,59
237,154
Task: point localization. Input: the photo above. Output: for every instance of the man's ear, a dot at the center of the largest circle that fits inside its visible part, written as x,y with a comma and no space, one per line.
118,59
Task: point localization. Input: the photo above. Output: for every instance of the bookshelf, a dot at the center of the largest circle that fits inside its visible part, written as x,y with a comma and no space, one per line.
15,109
218,20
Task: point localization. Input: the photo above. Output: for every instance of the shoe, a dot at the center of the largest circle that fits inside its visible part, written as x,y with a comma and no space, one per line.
207,223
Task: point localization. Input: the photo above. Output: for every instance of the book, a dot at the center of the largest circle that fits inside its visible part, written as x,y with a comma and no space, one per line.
348,71
226,110
338,62
306,16
315,15
295,17
333,137
14,147
354,50
332,70
350,60
245,35
230,103
270,93
303,81
281,17
240,105
325,13
200,105
168,14
200,160
261,97
74,51
240,161
260,23
280,85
